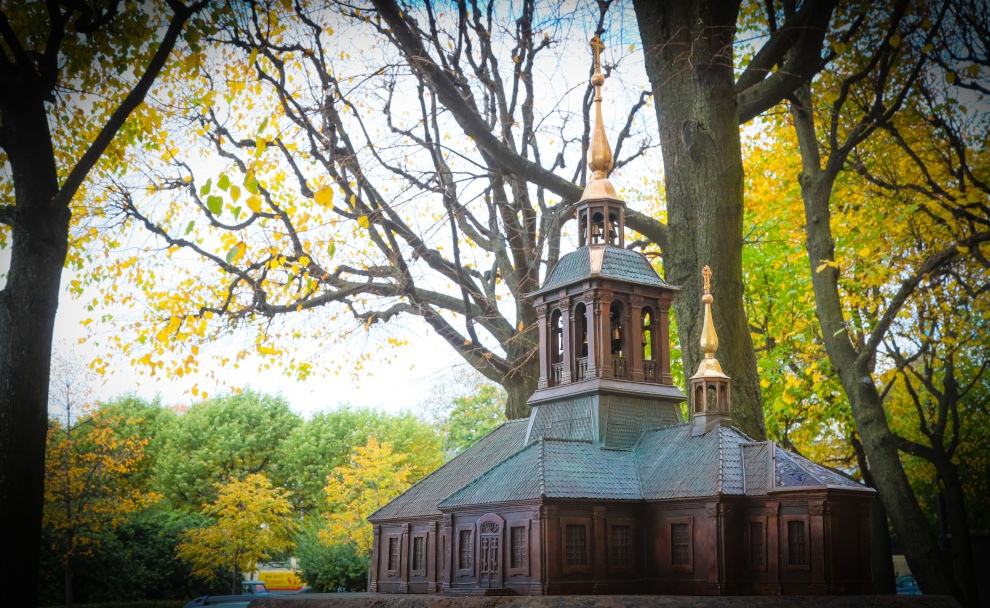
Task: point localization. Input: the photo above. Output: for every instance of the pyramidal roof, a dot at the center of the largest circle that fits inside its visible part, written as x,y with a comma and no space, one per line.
605,261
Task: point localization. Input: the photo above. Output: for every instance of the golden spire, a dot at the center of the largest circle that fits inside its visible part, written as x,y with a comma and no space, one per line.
709,366
599,152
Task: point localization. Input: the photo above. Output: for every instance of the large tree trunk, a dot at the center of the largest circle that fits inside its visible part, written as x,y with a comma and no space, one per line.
881,553
879,443
962,550
688,48
27,317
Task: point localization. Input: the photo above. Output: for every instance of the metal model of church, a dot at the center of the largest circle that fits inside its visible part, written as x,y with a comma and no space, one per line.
604,489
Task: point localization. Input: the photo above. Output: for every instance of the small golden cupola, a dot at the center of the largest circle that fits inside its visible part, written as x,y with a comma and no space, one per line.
709,385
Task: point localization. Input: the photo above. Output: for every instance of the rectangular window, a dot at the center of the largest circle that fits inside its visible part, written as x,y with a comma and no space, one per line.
465,557
393,553
756,547
680,545
576,537
621,545
796,543
518,540
419,553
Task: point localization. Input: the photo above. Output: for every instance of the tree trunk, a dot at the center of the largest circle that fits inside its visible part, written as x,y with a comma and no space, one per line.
27,317
879,443
520,386
69,591
962,550
688,48
881,553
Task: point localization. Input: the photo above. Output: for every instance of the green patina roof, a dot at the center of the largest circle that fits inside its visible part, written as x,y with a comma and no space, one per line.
616,263
554,468
666,463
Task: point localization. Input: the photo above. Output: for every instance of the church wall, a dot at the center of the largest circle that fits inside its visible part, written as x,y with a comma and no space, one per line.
593,548
413,563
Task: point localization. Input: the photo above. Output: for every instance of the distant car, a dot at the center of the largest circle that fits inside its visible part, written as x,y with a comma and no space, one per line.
906,585
250,590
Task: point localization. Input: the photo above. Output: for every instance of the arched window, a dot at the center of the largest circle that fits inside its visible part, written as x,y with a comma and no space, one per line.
597,228
556,347
583,230
616,330
556,337
647,340
613,229
581,327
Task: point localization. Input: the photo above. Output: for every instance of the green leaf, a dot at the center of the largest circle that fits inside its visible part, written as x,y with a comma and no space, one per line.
264,123
214,204
232,254
190,225
236,211
332,249
206,187
224,182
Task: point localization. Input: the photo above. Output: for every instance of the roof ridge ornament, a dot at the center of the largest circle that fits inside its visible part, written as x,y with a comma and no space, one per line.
709,366
599,151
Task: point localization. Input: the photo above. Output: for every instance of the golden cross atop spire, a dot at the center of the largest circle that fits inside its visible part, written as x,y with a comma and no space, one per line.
706,272
597,46
599,152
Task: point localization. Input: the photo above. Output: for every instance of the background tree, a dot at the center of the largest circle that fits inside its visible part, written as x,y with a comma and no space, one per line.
315,448
891,74
373,476
90,458
427,190
252,522
329,567
474,416
55,57
226,437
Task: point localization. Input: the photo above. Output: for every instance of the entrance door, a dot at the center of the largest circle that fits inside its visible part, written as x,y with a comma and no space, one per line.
490,551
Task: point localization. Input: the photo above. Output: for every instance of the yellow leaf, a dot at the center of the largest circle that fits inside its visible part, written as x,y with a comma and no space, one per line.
950,77
363,221
895,40
254,203
324,196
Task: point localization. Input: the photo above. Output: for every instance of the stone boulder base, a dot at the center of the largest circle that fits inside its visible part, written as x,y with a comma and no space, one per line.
370,600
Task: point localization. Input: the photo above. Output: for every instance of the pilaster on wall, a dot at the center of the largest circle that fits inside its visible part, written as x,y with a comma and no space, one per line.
448,564
376,546
713,526
817,510
404,560
773,548
603,313
432,549
551,541
666,377
601,548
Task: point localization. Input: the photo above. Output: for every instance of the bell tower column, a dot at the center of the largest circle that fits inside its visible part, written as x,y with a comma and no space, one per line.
663,353
541,313
591,313
635,356
566,338
604,335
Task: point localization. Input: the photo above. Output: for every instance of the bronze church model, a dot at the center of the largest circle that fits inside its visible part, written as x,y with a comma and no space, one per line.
604,489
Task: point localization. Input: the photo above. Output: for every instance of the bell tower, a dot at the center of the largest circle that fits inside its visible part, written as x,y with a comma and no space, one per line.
604,322
709,386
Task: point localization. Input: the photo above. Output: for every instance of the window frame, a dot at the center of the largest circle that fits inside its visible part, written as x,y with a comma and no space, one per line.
669,522
413,571
611,523
762,520
575,521
388,554
469,571
786,545
524,570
